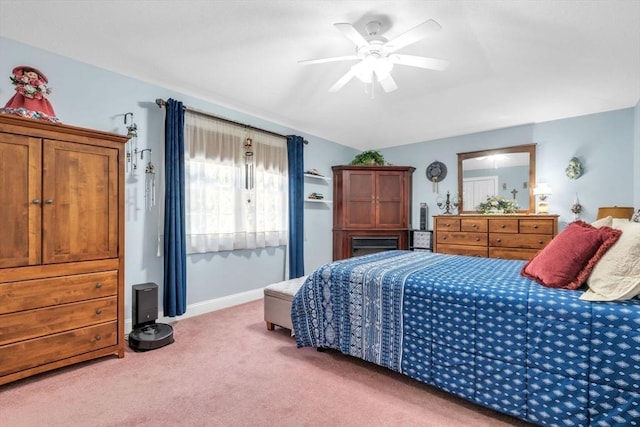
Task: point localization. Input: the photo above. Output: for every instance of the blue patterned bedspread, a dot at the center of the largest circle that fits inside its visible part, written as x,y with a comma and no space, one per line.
476,328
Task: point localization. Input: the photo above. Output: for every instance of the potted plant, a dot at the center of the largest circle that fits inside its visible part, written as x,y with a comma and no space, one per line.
370,157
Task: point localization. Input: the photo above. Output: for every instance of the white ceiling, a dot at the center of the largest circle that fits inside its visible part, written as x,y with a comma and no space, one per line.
511,62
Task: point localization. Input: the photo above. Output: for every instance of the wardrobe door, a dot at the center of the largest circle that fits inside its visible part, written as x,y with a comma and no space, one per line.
20,200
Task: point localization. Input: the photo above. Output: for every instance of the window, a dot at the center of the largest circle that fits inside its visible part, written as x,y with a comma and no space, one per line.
233,201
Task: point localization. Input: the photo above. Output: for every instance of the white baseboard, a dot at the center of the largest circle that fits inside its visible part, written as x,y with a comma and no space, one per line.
207,306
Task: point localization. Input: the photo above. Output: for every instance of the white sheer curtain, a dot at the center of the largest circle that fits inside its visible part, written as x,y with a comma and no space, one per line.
227,207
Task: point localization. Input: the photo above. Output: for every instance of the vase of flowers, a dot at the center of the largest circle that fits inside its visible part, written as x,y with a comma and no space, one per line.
497,205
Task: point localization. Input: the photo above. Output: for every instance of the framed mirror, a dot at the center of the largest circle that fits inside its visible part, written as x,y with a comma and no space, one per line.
508,172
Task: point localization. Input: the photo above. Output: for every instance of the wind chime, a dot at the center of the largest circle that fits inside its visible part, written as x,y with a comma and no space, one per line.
132,154
248,167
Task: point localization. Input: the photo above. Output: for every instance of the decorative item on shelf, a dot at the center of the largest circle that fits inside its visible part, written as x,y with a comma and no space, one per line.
436,172
370,157
30,99
497,205
448,204
576,208
542,191
316,196
315,172
574,169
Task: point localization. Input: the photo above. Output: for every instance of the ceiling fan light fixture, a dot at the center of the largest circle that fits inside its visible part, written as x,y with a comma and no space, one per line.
373,64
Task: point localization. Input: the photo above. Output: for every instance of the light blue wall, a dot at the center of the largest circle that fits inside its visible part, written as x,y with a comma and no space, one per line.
603,142
91,97
87,96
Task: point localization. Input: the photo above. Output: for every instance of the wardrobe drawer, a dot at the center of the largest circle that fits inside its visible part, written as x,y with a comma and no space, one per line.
30,294
479,251
463,238
523,241
29,324
478,225
511,253
40,351
503,225
447,224
543,226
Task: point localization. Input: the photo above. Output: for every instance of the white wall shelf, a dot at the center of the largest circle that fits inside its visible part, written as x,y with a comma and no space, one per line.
318,201
323,178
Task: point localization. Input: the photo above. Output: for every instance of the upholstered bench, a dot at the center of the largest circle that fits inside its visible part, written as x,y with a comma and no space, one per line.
277,302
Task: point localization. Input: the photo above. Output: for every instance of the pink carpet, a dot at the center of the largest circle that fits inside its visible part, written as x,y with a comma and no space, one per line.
226,369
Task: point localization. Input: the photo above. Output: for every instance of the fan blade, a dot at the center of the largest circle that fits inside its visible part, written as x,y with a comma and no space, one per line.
388,84
333,59
420,61
352,34
413,35
344,79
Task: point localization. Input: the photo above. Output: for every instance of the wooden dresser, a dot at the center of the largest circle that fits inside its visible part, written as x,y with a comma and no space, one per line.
371,203
62,250
494,236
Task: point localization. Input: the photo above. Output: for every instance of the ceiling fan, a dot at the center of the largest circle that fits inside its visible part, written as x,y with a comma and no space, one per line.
377,54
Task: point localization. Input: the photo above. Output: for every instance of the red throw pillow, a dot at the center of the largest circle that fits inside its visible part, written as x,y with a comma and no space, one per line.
568,259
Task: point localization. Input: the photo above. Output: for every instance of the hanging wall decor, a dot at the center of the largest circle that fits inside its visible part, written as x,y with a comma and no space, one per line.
574,170
30,99
436,173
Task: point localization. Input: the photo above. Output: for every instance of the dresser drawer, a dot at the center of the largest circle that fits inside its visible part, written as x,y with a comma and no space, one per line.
523,241
542,226
40,351
463,250
503,225
479,225
29,324
447,224
511,253
462,238
30,294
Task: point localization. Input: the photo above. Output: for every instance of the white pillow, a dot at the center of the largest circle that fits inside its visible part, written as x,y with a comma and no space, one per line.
617,275
607,221
619,222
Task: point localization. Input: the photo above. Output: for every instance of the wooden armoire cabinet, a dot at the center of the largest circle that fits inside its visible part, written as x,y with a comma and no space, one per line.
62,248
371,202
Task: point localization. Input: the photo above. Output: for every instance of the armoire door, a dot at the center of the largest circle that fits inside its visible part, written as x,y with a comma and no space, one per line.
20,200
391,210
80,196
359,198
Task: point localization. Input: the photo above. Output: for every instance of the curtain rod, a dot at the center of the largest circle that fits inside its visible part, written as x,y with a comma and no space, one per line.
161,103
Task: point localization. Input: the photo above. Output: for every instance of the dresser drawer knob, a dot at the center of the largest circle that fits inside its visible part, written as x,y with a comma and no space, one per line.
541,242
535,226
477,239
98,285
98,337
99,311
447,225
444,237
502,226
498,240
474,225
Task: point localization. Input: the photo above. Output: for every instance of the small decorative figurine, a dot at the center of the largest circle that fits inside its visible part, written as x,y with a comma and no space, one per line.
30,99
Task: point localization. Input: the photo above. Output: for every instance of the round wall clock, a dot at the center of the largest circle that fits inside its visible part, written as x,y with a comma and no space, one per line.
436,172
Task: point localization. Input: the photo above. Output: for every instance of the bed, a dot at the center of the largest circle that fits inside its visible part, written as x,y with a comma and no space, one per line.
477,328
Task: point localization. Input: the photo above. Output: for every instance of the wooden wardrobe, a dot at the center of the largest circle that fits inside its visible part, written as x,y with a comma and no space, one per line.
62,246
371,202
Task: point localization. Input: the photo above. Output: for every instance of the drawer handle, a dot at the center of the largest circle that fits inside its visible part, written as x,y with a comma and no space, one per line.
474,225
98,337
541,242
49,201
477,239
36,201
444,238
98,285
498,240
535,226
502,226
99,311
447,225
